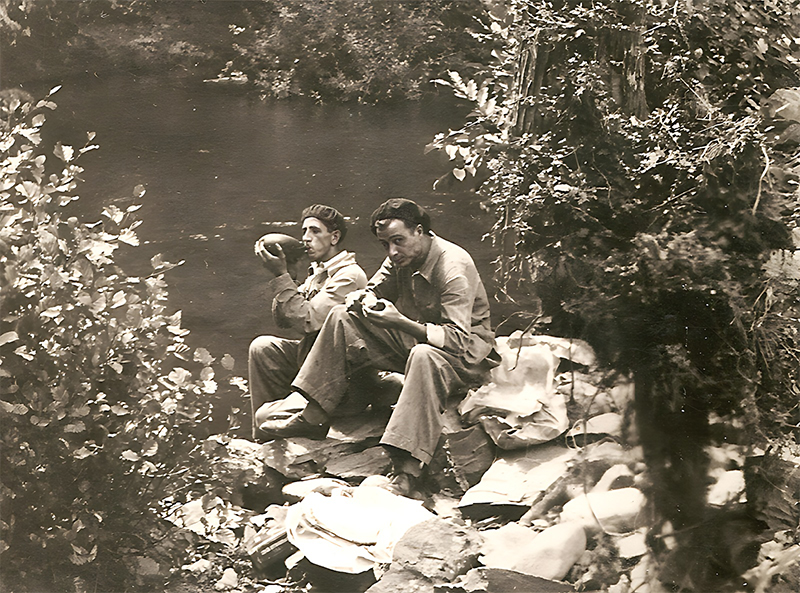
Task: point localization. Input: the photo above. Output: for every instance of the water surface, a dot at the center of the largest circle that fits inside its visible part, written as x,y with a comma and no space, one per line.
222,168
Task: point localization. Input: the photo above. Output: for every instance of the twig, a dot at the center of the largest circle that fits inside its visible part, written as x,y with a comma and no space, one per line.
761,179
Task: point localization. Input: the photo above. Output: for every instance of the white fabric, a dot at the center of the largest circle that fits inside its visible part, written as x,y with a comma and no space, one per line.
353,529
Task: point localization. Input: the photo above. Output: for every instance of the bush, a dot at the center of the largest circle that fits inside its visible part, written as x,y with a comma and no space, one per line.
641,165
102,399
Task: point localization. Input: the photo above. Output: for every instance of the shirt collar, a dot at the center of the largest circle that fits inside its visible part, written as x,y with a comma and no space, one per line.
339,260
434,253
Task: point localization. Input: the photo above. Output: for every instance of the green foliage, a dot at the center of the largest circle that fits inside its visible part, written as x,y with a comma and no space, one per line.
102,401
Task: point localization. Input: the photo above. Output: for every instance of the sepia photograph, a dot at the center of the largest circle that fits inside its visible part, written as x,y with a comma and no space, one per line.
394,296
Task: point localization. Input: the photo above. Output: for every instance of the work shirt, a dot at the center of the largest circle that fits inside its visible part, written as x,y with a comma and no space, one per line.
304,308
446,294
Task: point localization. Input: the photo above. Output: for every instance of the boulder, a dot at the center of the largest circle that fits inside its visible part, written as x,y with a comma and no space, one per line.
549,554
614,511
461,459
515,481
438,550
500,580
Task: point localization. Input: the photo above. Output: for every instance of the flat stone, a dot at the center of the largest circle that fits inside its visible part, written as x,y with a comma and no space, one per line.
549,554
438,550
400,579
371,462
298,458
516,479
500,580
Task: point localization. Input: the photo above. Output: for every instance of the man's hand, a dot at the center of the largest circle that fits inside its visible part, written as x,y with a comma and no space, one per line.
383,313
274,264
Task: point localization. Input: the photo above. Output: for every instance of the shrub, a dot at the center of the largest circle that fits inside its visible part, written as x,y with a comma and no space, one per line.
102,400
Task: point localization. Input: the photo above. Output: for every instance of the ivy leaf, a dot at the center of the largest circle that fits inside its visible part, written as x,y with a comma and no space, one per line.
150,448
80,556
23,352
64,152
129,237
29,189
227,362
18,409
8,337
75,427
203,356
82,453
130,455
179,376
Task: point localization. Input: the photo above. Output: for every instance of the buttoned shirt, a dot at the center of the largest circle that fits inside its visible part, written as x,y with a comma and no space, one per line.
304,308
446,293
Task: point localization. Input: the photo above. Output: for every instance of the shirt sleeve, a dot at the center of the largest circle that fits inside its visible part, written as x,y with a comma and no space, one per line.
336,288
292,310
455,327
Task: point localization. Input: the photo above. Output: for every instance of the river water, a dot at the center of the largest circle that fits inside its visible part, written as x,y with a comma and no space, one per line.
222,168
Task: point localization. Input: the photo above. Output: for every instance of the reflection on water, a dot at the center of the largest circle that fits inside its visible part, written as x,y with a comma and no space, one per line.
221,169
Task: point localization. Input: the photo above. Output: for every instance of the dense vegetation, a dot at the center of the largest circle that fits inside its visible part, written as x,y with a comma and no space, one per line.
642,163
103,402
360,50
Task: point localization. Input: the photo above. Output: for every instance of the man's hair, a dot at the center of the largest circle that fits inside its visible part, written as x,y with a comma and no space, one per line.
403,209
332,218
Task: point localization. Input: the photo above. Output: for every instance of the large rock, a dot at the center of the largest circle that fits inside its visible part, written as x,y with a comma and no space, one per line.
499,580
515,481
549,554
461,459
438,549
615,511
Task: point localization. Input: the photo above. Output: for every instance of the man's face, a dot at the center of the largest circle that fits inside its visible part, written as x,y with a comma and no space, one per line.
320,243
404,246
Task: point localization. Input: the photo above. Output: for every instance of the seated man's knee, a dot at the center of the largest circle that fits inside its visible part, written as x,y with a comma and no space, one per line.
423,353
262,344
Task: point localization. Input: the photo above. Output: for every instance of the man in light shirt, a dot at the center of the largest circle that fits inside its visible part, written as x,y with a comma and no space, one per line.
273,362
425,313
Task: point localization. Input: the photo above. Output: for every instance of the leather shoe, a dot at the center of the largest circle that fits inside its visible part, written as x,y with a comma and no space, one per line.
294,425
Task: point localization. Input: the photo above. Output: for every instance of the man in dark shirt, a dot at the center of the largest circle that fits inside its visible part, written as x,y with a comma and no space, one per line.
424,313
